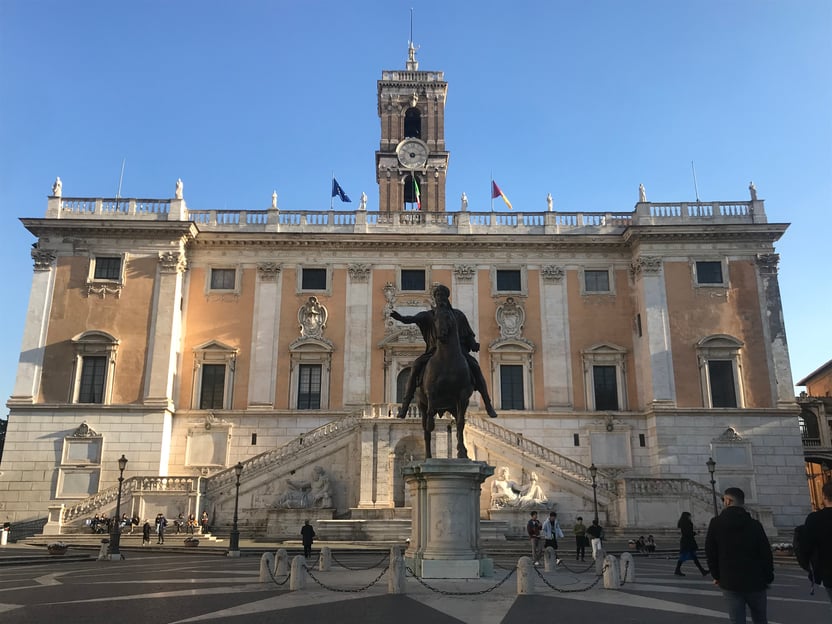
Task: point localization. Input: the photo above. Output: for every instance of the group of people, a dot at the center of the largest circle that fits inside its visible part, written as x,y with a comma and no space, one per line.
546,534
100,523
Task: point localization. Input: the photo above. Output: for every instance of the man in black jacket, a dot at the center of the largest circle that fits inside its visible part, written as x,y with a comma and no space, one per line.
740,560
819,540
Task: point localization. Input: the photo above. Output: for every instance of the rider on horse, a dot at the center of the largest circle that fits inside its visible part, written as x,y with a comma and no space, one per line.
425,322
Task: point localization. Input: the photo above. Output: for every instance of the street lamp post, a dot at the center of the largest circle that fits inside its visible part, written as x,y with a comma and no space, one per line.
711,464
234,549
115,534
593,471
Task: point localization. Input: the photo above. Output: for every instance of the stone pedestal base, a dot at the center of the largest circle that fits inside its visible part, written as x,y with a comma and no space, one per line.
516,519
286,523
445,532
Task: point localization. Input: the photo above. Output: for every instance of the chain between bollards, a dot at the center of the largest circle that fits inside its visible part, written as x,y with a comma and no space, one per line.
456,593
274,578
573,591
351,590
375,565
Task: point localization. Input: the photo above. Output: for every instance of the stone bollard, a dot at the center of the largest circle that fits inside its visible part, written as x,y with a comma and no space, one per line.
396,572
281,562
298,579
325,559
628,568
103,552
550,559
266,565
599,559
611,579
525,576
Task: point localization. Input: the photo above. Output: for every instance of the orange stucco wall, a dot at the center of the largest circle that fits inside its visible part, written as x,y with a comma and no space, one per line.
695,313
126,318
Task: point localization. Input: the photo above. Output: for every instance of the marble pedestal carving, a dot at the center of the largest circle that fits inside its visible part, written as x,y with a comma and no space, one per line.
445,533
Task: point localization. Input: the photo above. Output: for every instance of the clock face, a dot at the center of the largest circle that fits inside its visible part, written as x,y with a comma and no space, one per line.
412,153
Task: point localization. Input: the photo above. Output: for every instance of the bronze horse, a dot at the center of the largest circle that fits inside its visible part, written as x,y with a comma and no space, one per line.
446,381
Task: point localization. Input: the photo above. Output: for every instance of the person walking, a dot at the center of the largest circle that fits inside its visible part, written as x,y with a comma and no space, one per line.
740,560
687,545
818,545
307,536
146,533
596,534
580,538
551,532
161,523
533,528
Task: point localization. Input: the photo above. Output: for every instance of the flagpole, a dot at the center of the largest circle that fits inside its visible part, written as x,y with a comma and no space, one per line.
491,189
120,178
331,188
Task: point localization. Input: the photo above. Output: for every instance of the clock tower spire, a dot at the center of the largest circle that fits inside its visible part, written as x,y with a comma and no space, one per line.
411,162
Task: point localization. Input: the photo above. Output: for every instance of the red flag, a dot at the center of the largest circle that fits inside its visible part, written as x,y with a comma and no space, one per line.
496,192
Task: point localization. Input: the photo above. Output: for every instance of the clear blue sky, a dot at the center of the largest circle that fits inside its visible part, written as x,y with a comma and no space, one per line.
580,99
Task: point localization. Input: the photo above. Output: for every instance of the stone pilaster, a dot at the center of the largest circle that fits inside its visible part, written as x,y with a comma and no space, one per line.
264,336
357,339
369,465
554,327
774,330
30,365
464,297
655,328
165,330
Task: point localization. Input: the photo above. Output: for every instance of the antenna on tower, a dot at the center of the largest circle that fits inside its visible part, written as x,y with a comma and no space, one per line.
695,187
412,63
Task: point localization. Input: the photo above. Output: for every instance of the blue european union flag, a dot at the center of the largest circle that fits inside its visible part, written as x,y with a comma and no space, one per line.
338,192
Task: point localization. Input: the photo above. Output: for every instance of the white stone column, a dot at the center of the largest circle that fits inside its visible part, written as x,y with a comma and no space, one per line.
369,459
774,330
264,336
554,328
30,364
165,330
357,336
655,328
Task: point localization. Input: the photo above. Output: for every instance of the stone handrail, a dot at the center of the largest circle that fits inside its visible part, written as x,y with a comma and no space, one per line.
131,485
266,461
656,487
564,464
114,208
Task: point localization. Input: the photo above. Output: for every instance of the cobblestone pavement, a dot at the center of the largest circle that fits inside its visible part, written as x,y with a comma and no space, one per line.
173,588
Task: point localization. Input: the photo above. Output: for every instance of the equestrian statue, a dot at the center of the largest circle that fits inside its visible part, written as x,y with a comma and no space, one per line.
446,374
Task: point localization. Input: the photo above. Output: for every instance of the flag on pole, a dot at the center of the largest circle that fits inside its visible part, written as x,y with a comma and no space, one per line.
417,194
496,192
338,192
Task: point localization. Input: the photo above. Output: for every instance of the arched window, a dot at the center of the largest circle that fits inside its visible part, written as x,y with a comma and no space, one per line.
401,383
412,192
412,123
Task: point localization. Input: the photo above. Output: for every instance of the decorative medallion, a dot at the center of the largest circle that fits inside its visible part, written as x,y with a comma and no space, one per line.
730,435
84,431
312,318
510,317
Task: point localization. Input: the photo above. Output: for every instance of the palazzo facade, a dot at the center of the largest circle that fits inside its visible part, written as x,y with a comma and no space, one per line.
639,342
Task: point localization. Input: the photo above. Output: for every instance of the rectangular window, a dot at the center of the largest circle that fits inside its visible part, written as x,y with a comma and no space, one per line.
511,387
576,439
508,280
309,386
642,441
596,281
605,387
93,376
413,279
223,279
107,269
721,377
313,279
709,272
253,439
212,392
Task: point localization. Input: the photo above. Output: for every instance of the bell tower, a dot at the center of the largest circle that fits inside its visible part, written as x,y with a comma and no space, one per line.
411,162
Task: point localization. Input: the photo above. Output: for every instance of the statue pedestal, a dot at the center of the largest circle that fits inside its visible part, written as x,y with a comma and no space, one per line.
445,533
516,519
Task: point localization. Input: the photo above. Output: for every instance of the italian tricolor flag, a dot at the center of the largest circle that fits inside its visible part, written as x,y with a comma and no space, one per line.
417,193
